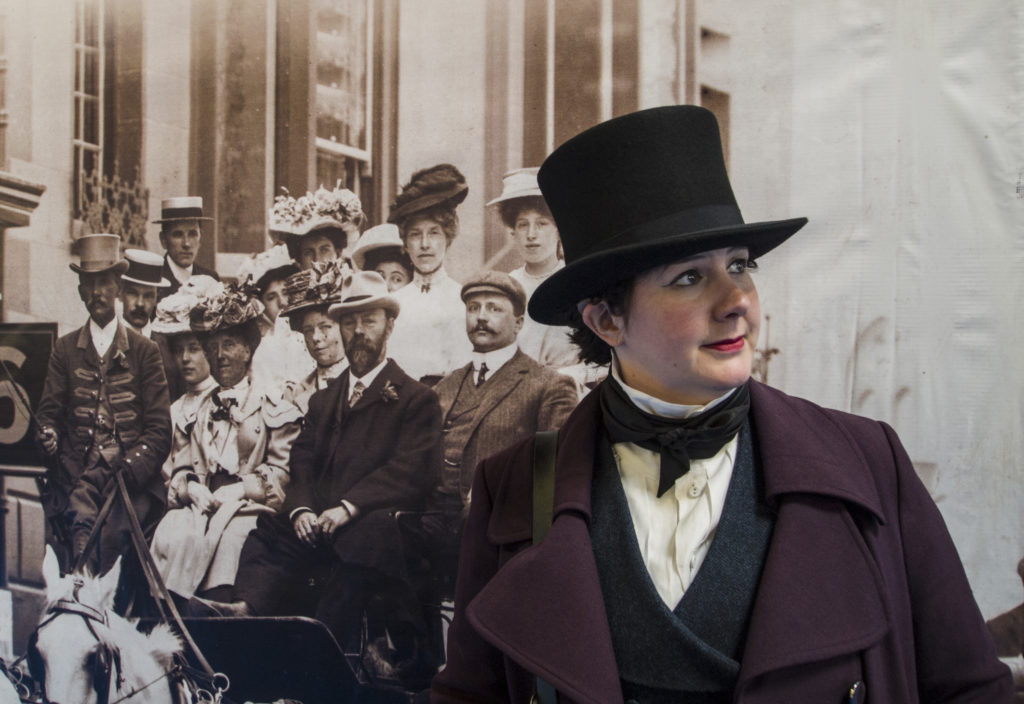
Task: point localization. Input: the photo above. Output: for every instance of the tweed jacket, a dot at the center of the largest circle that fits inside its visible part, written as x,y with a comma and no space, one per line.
136,389
381,453
519,399
861,583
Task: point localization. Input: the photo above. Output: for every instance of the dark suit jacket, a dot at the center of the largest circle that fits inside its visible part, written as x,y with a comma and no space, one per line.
381,453
861,582
521,398
175,284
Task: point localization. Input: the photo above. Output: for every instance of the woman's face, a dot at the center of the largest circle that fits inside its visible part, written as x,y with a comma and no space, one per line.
274,298
229,357
426,244
394,274
691,328
316,247
536,238
323,338
188,353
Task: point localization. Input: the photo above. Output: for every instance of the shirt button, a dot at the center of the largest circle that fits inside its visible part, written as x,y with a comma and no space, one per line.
695,490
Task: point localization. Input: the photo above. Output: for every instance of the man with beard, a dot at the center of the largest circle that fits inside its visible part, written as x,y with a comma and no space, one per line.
369,446
104,410
502,396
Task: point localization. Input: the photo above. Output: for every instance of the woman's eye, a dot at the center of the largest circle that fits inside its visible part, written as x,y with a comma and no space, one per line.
739,266
687,278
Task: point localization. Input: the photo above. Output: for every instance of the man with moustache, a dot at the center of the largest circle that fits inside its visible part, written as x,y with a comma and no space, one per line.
180,236
104,410
139,286
369,446
502,396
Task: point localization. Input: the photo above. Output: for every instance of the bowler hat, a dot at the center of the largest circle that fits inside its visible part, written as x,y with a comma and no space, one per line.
145,268
637,191
362,291
496,282
181,208
98,253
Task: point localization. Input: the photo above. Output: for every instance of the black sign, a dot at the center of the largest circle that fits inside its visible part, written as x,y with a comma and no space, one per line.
25,353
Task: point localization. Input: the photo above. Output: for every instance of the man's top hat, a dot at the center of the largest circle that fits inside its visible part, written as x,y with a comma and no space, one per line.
499,282
362,291
145,268
637,191
181,208
98,253
518,183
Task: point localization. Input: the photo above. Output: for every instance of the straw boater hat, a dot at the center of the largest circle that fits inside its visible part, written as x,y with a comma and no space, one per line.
98,253
316,287
172,312
637,191
375,239
362,291
181,208
328,211
274,264
145,268
518,183
441,186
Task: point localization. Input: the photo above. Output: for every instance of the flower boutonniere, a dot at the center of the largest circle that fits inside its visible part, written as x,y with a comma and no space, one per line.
389,392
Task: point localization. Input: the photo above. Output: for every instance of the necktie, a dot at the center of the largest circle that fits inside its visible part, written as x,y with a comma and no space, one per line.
481,376
357,393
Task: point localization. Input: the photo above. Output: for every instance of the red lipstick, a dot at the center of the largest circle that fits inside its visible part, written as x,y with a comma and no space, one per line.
731,345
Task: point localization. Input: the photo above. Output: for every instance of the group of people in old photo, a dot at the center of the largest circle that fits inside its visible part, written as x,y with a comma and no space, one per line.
299,437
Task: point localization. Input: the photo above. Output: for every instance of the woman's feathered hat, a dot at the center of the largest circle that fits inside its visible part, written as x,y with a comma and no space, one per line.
259,270
232,306
335,212
441,186
637,191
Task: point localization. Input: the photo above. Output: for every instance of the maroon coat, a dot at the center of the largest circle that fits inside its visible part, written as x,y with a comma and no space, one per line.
861,582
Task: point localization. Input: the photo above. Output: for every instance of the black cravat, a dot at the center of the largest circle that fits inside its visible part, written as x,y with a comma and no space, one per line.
223,406
481,375
676,440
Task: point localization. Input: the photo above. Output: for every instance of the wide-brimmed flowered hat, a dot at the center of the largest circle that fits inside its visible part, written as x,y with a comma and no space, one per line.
441,186
637,191
233,306
333,213
317,287
173,311
98,253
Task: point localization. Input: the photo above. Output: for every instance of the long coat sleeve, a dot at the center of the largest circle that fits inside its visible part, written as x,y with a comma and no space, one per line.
861,583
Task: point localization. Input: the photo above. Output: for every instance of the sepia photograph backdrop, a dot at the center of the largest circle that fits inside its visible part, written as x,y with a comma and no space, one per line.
897,128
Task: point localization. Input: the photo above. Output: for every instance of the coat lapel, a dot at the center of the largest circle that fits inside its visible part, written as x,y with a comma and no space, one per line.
507,378
820,590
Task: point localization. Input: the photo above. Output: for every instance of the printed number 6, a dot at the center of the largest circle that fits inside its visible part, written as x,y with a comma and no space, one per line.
18,426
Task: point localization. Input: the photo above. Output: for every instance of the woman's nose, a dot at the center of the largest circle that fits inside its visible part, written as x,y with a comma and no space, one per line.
733,300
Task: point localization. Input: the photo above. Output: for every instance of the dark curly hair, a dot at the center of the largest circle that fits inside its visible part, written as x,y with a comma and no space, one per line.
510,209
594,350
376,257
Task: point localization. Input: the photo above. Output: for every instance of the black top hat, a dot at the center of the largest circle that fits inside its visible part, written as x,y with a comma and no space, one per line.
441,186
637,191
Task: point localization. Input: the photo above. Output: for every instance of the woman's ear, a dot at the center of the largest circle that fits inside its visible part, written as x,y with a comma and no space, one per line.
603,322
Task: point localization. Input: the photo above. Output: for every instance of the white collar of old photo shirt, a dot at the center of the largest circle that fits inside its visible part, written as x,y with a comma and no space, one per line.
366,379
102,337
495,360
674,532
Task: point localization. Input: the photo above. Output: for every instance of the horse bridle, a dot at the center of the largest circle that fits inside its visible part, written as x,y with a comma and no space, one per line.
106,668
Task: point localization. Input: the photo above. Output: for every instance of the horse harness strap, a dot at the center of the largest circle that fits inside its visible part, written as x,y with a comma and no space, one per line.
545,449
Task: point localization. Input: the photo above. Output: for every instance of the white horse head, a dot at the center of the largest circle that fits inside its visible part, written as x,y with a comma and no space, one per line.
90,654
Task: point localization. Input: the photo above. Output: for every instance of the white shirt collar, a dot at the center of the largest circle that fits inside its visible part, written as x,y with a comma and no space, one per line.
237,391
182,275
495,359
366,379
650,404
102,337
202,387
434,279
